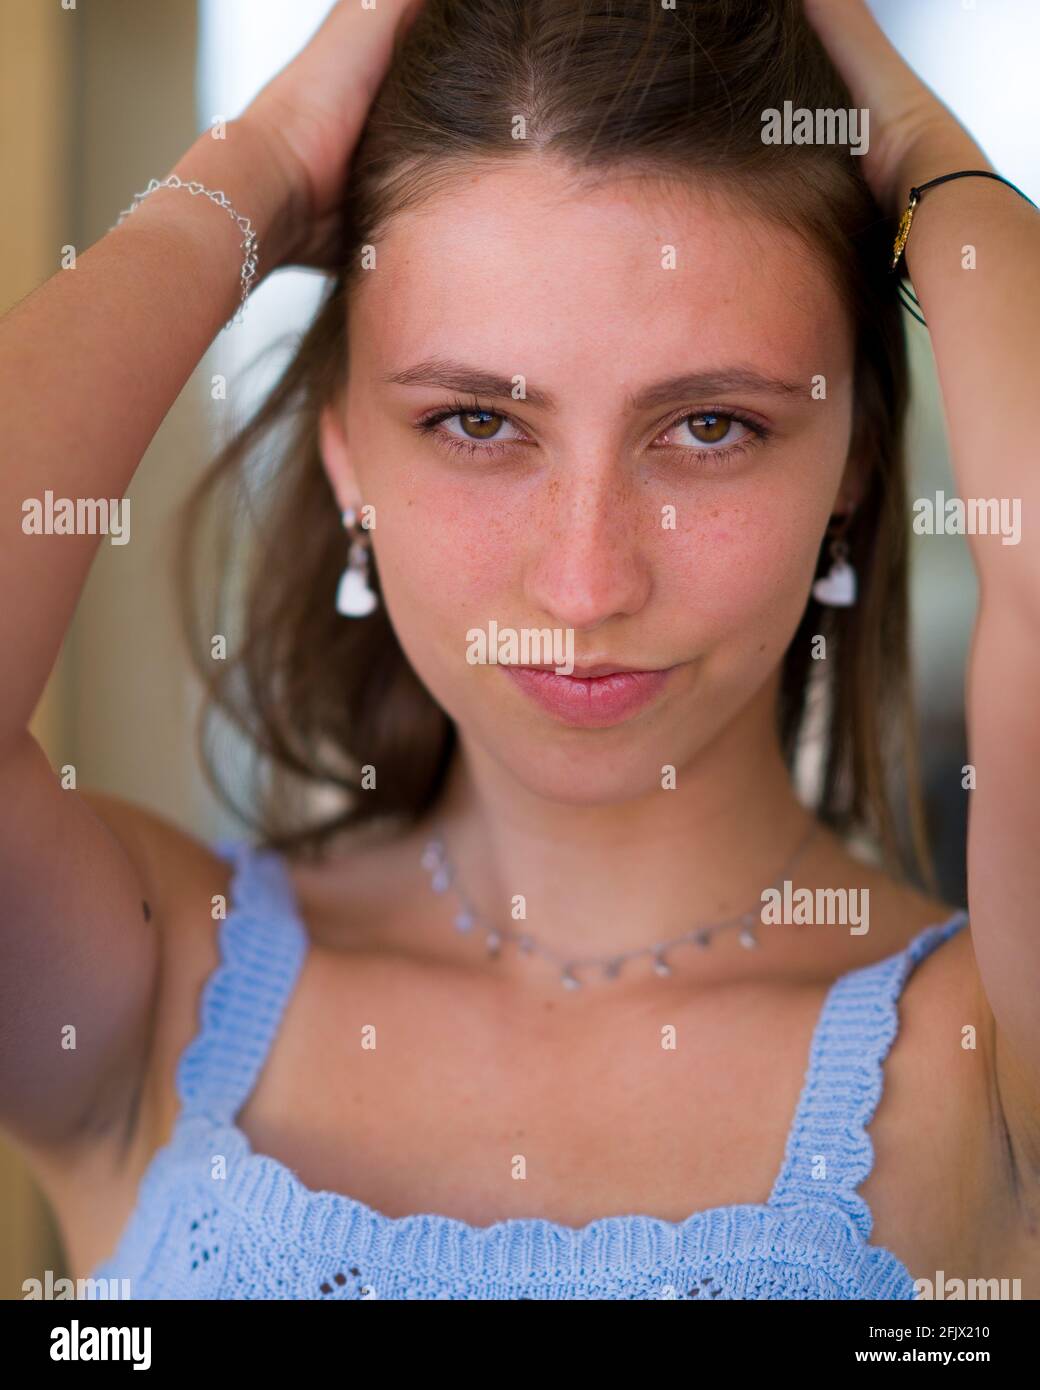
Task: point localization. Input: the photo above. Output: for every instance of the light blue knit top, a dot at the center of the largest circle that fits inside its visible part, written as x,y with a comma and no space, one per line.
258,1232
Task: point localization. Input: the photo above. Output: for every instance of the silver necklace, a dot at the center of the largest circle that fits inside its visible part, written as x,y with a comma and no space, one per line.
443,877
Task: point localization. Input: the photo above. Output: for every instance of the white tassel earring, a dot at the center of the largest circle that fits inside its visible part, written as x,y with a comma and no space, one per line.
355,597
837,588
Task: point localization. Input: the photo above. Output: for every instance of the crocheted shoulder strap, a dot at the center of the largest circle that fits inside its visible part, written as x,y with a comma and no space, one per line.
262,946
829,1152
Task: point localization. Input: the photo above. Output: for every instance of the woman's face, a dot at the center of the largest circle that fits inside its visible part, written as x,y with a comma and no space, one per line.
643,512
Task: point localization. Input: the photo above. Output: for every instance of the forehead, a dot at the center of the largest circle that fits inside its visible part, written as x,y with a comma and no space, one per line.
529,262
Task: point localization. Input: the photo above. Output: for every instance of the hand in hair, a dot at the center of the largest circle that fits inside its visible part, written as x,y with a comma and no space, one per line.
913,135
311,113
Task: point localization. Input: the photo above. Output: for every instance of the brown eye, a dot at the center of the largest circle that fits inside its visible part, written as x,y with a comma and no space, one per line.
480,424
469,429
709,429
712,433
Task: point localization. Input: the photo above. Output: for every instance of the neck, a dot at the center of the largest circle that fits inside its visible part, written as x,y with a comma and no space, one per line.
627,875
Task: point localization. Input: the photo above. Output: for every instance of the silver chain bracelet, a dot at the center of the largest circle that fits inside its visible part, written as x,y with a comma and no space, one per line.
249,244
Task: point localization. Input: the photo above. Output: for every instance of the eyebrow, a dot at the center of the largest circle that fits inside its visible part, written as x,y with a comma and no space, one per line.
459,376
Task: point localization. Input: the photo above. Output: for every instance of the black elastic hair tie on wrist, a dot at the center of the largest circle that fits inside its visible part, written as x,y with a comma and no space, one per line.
906,295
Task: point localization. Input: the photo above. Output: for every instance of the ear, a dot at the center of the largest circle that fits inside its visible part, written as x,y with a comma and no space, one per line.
852,487
336,455
859,461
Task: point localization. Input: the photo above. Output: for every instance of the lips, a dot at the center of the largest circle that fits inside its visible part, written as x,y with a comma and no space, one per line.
582,672
593,697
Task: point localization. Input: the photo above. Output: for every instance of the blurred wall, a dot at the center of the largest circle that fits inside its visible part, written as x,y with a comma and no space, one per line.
37,102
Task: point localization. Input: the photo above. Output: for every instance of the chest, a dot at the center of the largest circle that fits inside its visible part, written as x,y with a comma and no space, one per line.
420,1095
410,1091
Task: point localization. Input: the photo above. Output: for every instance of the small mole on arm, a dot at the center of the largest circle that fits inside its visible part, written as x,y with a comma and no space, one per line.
147,911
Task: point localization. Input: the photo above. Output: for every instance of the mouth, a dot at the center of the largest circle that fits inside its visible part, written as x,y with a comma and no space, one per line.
605,668
592,697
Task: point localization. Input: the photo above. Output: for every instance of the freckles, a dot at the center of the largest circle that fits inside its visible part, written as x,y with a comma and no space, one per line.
730,566
718,535
460,554
714,536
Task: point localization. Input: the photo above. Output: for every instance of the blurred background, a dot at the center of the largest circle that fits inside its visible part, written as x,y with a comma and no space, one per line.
99,96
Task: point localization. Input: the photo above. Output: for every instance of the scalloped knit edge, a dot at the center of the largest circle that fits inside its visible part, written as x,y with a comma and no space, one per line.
251,934
338,1214
859,1081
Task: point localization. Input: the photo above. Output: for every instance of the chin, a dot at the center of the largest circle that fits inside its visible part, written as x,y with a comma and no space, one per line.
586,767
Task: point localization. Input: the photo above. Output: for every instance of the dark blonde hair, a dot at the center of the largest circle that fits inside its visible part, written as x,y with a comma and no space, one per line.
609,86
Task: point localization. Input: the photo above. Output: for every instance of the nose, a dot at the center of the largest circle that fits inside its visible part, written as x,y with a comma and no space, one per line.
588,559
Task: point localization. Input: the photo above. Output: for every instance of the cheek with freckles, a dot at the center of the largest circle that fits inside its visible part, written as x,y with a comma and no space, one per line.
746,547
740,570
448,549
446,552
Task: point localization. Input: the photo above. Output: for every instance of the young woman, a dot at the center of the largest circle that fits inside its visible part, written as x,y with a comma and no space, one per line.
503,1011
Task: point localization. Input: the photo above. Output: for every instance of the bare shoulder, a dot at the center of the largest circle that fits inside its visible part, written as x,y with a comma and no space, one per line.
171,861
178,874
354,881
362,885
344,887
964,1061
895,910
944,1016
182,874
944,984
967,1076
158,846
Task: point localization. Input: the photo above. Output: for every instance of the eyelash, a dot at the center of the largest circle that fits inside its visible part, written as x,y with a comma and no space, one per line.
429,422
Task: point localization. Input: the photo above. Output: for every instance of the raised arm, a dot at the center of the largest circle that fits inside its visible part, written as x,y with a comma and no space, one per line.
973,256
90,363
